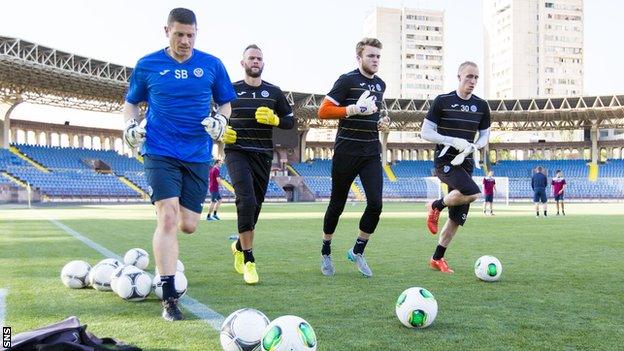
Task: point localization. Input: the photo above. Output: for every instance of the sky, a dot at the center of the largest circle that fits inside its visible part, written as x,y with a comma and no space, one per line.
306,45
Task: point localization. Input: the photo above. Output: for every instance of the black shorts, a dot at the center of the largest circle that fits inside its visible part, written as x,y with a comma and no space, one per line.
539,195
458,178
559,197
169,177
489,198
215,196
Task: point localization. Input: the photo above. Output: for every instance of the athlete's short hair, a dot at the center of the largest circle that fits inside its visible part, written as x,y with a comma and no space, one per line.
216,161
251,46
466,64
540,169
359,47
181,15
558,171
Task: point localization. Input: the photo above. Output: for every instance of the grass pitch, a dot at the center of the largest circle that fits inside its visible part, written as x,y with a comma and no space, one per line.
561,286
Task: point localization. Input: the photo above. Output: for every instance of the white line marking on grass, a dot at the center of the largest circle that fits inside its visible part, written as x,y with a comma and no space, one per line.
197,308
3,294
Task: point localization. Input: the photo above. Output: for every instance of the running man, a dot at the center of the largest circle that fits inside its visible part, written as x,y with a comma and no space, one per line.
355,100
178,84
260,107
452,123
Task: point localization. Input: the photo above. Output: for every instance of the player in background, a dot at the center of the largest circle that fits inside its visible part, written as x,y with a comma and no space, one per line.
489,187
260,107
214,177
355,100
559,185
539,184
178,84
452,123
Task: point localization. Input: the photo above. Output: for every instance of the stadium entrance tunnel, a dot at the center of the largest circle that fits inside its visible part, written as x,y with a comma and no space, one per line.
295,188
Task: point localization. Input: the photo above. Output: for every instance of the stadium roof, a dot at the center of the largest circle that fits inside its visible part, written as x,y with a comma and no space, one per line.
47,76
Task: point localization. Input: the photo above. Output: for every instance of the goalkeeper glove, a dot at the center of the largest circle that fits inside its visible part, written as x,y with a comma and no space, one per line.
265,115
229,136
365,105
384,124
459,144
134,132
215,125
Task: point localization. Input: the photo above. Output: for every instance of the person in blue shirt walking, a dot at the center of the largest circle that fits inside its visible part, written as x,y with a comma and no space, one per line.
176,136
539,184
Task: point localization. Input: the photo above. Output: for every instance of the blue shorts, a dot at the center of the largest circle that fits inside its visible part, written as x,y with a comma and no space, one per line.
489,198
215,196
559,197
169,177
539,196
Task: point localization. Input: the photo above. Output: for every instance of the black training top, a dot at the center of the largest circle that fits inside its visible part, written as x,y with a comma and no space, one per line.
251,135
458,118
357,135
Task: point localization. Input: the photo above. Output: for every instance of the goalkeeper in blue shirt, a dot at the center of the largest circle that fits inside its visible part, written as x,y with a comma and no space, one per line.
178,83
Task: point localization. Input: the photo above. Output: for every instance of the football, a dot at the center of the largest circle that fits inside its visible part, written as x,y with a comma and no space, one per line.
488,268
118,272
133,285
288,333
100,274
181,284
242,330
416,308
75,274
137,257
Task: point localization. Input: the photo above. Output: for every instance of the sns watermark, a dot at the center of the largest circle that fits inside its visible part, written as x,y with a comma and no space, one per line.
6,337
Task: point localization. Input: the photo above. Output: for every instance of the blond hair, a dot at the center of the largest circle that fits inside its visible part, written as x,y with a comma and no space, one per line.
466,64
359,47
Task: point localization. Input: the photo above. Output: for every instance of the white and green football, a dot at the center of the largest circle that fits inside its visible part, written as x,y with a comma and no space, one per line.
488,268
416,308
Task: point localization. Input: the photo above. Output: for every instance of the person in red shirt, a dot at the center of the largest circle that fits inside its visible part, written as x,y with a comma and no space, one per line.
489,187
213,188
558,184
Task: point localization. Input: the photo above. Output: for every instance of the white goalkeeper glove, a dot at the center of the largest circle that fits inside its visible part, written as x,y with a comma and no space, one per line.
471,149
134,132
383,125
215,125
365,105
460,144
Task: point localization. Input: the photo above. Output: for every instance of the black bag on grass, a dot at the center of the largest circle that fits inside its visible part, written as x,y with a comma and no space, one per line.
66,335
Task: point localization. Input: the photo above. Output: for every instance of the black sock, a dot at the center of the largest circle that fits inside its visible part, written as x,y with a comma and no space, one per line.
537,213
545,213
168,287
249,257
439,204
214,213
439,252
359,246
326,248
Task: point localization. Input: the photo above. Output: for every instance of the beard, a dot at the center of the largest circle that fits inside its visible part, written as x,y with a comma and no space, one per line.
249,71
368,70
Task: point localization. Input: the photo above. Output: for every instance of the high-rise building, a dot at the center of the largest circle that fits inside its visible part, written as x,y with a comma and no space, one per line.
413,53
533,48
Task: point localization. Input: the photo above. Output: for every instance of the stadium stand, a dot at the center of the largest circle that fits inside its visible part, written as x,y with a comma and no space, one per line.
73,174
411,184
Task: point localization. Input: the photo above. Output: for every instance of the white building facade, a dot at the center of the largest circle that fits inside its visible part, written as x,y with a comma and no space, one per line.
413,53
533,48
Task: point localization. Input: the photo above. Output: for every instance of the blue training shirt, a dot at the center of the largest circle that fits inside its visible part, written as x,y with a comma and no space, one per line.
178,98
539,181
